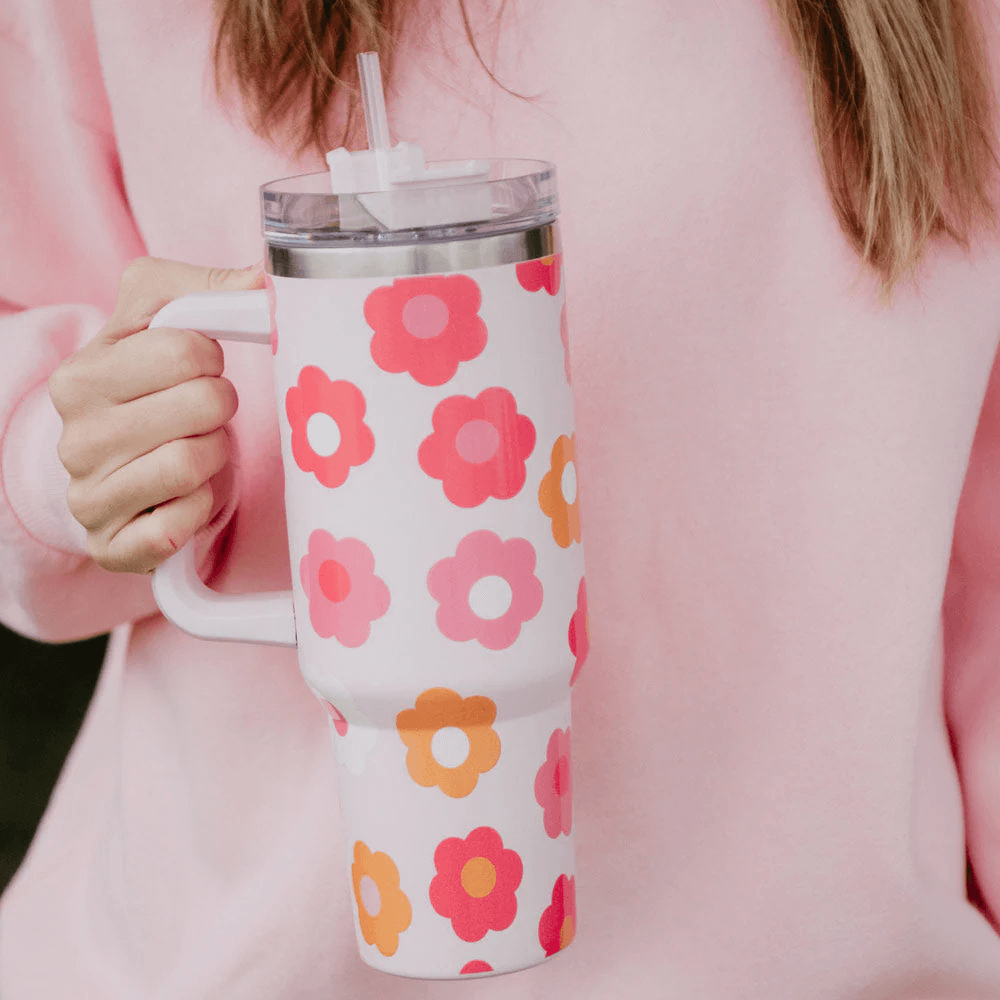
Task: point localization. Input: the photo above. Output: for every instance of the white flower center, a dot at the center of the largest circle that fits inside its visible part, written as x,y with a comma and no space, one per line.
450,747
490,597
568,482
323,434
371,899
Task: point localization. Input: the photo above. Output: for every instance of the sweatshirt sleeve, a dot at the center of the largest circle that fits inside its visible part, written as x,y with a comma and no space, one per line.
66,235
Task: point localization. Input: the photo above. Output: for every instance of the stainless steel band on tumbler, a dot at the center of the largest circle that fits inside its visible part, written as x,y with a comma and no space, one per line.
421,258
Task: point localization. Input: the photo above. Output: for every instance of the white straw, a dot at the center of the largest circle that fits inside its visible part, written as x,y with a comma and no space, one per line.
373,102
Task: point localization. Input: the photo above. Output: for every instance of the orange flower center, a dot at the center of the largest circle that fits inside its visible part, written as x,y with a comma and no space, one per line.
566,932
334,580
478,877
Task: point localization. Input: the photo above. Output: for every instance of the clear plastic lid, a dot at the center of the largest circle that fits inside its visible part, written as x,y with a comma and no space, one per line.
513,195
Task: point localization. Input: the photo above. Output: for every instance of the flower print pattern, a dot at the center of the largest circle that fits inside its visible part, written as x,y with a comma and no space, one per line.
557,927
384,910
557,495
345,596
564,337
329,435
579,631
354,735
554,786
476,883
487,590
337,719
451,740
546,272
471,968
478,447
426,326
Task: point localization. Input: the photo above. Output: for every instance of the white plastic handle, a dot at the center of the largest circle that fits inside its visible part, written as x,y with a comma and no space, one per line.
179,591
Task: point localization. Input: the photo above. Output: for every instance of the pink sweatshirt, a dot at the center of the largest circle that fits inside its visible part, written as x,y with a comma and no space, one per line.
787,734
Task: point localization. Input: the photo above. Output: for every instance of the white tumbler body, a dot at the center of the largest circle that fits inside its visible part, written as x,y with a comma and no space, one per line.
428,444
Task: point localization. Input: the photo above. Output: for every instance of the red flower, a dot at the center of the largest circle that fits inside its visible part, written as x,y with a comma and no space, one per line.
579,630
478,447
329,435
546,272
554,786
471,968
426,326
476,883
557,928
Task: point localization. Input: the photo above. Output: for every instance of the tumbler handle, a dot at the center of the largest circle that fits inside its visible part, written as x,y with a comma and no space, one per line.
178,590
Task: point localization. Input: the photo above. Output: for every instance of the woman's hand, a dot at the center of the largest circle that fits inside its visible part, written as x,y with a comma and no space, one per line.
144,414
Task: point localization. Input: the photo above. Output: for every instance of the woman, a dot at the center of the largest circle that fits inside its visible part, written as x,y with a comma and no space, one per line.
782,741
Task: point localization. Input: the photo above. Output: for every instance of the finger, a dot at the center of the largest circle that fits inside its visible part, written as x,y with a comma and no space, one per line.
147,540
146,362
149,283
98,445
152,360
175,469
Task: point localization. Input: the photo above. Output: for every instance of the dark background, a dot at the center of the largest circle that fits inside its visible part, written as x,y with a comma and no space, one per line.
44,692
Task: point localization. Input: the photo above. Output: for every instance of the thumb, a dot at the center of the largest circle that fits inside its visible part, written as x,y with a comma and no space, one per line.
149,283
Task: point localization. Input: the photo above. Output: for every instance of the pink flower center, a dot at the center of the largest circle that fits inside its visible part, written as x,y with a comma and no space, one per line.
477,441
334,580
425,316
560,777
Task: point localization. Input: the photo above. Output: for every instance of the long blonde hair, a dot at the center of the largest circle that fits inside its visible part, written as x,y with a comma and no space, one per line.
899,91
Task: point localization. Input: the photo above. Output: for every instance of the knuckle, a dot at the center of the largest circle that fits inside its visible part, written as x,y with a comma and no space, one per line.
80,503
203,499
178,470
72,450
134,277
217,399
218,278
185,358
98,550
61,385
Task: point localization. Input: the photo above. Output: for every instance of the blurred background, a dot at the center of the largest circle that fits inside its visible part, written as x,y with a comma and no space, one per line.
44,692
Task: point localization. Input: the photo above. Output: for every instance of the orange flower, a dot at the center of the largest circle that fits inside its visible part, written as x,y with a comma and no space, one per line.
557,496
451,739
384,910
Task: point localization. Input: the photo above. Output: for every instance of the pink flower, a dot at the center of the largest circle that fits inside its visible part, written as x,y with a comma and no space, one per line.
471,968
426,326
344,594
546,272
476,883
564,337
329,435
478,447
487,590
336,717
579,630
557,928
554,786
